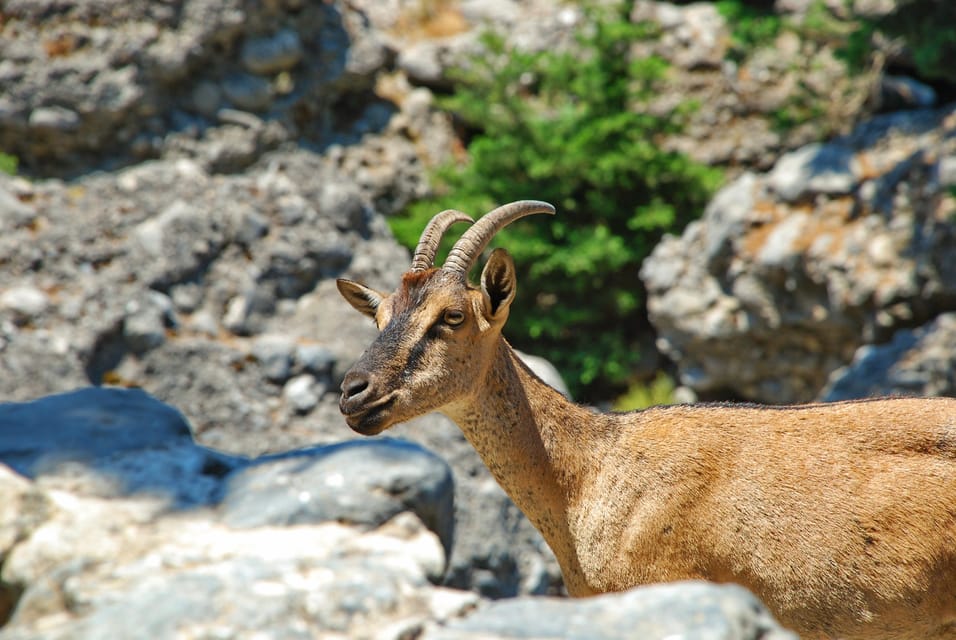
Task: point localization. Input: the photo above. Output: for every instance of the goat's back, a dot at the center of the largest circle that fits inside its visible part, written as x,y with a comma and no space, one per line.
840,516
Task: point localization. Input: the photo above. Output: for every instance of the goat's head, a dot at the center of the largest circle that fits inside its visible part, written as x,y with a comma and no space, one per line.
439,333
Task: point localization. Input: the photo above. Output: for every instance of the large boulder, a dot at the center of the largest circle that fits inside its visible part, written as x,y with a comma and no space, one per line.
125,512
842,244
363,483
687,610
111,443
916,362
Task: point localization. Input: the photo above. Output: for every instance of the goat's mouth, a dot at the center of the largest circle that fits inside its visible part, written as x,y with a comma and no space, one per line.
368,419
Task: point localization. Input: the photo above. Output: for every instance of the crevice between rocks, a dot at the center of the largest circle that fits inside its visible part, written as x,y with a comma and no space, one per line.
10,594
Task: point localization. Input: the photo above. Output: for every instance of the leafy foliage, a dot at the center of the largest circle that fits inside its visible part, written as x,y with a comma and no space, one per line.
571,128
640,395
753,26
9,163
929,29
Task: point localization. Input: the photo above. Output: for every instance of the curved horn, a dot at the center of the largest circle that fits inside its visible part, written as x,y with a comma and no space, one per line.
428,243
476,238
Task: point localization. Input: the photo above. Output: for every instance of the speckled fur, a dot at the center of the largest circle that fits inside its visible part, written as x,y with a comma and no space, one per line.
841,517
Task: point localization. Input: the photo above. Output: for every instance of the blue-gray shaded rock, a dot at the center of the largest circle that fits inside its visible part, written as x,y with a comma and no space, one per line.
278,52
815,168
904,92
685,610
362,482
111,442
915,362
248,91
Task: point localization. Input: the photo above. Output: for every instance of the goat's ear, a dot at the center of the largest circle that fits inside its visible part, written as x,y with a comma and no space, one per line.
498,283
364,299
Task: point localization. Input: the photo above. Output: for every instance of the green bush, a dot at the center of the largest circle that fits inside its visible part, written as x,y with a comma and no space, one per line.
642,395
571,128
9,163
752,26
929,29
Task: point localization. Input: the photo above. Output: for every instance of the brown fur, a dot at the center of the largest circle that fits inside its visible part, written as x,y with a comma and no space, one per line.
841,517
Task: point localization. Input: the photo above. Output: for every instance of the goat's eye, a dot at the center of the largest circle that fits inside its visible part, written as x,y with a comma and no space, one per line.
453,318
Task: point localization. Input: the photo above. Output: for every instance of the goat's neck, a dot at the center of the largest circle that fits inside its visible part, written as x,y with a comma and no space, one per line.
538,445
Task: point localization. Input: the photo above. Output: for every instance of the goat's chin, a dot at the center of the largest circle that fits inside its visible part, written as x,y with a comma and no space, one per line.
369,424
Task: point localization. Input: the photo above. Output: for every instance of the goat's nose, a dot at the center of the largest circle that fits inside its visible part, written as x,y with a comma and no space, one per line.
355,383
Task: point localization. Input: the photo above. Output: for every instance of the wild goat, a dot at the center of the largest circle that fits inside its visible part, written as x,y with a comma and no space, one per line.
841,517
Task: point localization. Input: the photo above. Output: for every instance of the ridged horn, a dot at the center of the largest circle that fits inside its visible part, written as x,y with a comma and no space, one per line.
477,237
427,247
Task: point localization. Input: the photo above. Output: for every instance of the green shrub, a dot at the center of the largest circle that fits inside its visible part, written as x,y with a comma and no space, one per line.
8,164
929,29
571,128
751,26
643,395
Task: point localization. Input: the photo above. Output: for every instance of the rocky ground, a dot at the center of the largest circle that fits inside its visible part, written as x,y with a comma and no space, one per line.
194,175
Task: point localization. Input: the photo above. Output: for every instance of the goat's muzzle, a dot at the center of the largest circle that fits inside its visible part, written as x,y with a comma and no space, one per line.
365,411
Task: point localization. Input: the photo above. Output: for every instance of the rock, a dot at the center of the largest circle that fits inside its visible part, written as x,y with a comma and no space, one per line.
918,362
207,98
841,245
315,358
147,318
946,170
13,213
54,118
278,52
688,610
77,561
824,169
694,36
24,303
22,510
343,204
903,92
65,541
247,91
364,482
178,242
110,442
274,354
103,89
189,577
302,393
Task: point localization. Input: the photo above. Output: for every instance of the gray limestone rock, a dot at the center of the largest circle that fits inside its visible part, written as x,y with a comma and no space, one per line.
788,273
687,610
110,442
915,362
363,482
